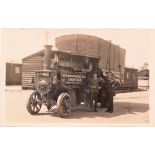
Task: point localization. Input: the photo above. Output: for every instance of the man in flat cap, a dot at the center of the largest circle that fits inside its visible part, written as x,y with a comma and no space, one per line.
94,86
110,93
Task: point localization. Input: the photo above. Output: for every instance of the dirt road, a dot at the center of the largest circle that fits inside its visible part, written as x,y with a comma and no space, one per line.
130,107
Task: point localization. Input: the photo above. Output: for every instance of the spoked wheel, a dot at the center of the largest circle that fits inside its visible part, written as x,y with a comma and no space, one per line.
34,104
64,104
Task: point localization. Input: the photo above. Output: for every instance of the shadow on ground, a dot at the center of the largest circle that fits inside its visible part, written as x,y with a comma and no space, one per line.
120,108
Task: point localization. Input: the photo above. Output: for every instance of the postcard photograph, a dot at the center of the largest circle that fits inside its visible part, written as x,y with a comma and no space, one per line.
76,77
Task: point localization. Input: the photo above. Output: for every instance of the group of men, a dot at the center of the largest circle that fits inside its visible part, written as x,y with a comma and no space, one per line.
99,88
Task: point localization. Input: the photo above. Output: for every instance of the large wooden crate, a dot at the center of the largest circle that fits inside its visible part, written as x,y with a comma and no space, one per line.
112,57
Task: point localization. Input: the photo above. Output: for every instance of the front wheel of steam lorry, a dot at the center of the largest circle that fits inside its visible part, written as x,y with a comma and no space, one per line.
34,104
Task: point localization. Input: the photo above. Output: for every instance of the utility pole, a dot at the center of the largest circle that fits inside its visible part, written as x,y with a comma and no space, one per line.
47,36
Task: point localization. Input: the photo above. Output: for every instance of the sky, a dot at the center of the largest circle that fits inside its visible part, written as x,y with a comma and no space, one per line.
19,43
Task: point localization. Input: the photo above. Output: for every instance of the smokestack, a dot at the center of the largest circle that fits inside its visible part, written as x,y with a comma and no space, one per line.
47,57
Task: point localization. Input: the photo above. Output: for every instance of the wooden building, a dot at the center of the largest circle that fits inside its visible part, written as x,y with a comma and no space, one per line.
130,78
13,74
29,65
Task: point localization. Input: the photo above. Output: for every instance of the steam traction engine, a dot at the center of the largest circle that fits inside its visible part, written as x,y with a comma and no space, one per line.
56,86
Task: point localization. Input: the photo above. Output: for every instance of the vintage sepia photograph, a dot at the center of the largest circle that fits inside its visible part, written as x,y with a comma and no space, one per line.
76,76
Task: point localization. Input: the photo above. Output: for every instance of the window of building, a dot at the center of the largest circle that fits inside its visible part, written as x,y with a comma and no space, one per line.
17,69
133,76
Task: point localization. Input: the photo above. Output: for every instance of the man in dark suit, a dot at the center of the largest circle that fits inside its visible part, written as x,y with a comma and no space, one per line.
110,91
102,94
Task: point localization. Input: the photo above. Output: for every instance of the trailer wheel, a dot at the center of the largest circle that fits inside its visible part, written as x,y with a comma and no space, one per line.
64,105
34,105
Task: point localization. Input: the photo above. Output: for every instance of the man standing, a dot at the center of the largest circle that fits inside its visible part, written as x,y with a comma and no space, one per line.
102,94
110,91
94,85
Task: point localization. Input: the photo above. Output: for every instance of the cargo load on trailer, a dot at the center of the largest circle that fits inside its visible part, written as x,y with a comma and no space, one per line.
112,57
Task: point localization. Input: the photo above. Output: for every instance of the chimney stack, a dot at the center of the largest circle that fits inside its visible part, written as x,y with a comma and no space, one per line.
47,57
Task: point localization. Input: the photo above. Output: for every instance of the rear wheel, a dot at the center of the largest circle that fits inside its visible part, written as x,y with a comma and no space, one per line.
64,105
34,104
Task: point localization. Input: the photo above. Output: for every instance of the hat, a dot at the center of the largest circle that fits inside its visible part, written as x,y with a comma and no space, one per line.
94,73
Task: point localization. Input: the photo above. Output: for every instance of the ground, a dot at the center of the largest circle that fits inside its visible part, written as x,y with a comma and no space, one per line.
132,107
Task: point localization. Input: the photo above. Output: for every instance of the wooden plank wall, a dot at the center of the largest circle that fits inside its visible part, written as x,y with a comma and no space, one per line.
29,65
